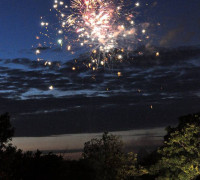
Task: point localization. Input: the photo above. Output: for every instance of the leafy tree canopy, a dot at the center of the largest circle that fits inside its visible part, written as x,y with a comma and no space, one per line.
180,155
109,160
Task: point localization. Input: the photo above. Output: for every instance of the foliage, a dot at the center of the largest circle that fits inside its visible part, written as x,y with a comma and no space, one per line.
108,159
180,155
6,130
18,165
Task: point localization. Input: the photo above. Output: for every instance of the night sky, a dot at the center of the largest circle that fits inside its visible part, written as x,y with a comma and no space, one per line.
151,93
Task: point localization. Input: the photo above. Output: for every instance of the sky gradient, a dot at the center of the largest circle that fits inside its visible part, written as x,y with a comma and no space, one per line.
151,93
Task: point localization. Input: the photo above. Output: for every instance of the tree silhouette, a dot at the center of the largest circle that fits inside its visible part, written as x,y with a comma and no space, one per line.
6,130
105,158
108,159
180,155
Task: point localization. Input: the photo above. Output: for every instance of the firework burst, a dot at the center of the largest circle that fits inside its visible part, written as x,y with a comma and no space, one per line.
106,27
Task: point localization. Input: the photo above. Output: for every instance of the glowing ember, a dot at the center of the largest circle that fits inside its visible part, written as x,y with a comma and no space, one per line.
51,87
37,51
137,4
59,41
119,74
120,56
143,31
68,48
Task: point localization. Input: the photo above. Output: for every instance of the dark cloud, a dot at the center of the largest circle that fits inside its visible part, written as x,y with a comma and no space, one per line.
152,92
48,49
57,50
41,48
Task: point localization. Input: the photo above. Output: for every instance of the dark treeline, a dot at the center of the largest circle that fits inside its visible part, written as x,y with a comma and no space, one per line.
105,159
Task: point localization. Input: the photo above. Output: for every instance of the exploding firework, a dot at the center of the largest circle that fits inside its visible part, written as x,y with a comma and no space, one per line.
106,27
